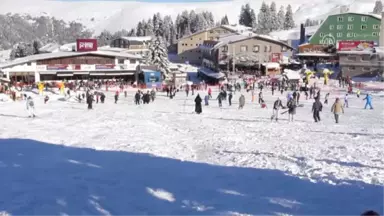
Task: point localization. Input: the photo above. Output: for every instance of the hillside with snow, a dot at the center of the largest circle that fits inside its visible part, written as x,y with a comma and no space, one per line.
117,15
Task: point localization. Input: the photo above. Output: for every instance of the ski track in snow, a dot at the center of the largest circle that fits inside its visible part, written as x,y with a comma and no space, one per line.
344,155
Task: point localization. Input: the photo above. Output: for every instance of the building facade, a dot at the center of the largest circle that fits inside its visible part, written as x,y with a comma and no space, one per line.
360,63
71,66
348,26
188,47
241,50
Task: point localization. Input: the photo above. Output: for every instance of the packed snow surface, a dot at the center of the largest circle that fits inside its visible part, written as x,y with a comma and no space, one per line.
163,159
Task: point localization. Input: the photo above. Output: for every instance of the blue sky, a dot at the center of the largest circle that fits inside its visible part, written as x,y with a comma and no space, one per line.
153,0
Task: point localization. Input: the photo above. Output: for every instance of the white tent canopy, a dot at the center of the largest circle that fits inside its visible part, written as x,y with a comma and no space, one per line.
291,74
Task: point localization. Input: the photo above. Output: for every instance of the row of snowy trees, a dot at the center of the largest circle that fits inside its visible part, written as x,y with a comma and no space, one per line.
378,7
268,18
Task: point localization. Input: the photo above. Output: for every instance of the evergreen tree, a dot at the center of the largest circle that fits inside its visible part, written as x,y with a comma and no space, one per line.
308,22
148,28
289,23
224,20
193,21
168,25
247,16
274,21
36,47
178,25
264,17
104,38
185,24
158,54
201,23
140,28
209,18
132,32
378,7
281,18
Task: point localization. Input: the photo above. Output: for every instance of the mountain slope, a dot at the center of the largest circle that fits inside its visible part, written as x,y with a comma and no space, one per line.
116,15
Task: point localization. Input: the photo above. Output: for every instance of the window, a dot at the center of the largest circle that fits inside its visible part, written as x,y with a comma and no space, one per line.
339,27
191,44
191,38
364,27
352,68
321,34
283,48
351,58
256,48
376,26
29,64
331,27
365,57
350,19
366,69
350,27
364,19
354,34
265,49
243,48
217,38
270,48
225,48
340,19
211,31
349,34
197,45
375,34
132,61
339,34
121,61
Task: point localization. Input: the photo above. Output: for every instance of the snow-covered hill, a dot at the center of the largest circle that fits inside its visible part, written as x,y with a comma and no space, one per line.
116,15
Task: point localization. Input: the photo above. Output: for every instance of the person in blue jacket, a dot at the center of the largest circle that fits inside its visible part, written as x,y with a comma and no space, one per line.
368,99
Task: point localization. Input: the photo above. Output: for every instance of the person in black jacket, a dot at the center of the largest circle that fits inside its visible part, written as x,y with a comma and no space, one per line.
137,97
276,106
316,109
198,108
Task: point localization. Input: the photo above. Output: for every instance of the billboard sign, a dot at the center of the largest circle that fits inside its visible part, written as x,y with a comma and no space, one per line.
106,66
86,45
57,67
276,57
355,45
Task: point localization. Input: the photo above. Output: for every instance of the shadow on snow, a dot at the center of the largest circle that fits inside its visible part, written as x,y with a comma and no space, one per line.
46,179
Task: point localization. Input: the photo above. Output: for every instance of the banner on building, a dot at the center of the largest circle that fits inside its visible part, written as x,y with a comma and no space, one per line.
276,57
86,45
57,67
105,66
355,45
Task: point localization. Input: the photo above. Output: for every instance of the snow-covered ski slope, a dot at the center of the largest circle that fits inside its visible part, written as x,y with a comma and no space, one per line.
117,15
163,159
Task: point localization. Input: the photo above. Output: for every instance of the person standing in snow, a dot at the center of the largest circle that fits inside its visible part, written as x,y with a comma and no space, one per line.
298,97
116,96
358,93
102,97
261,97
137,97
46,99
206,100
210,93
368,98
316,109
291,109
326,98
276,107
187,90
198,108
30,107
346,101
337,109
241,101
230,98
90,101
220,98
125,94
97,97
153,95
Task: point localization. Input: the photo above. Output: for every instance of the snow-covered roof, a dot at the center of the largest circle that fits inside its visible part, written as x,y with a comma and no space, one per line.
321,54
210,73
68,47
271,65
237,28
377,16
38,57
293,34
141,38
355,52
50,47
239,37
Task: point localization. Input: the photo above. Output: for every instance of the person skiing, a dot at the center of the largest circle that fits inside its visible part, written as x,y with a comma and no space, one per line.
337,109
30,107
316,109
291,109
46,99
241,101
206,100
368,98
116,96
276,107
230,98
198,108
346,101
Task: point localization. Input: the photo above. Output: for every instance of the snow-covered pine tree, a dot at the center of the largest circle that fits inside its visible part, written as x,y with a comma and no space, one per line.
36,46
193,21
178,25
185,24
158,53
247,16
167,25
281,18
378,7
224,20
132,32
104,38
289,23
264,18
308,22
274,21
148,28
201,23
140,29
157,19
209,18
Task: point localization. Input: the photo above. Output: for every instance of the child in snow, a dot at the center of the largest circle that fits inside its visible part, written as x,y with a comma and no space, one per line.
358,93
30,107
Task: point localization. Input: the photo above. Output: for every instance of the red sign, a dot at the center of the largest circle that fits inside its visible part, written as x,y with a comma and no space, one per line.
106,66
276,57
355,45
57,67
86,45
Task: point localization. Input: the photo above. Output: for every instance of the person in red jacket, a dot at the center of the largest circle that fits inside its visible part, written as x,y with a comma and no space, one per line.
209,93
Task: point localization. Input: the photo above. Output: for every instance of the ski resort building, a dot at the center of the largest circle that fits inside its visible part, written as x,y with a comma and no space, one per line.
242,52
132,45
72,66
188,47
